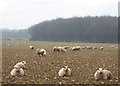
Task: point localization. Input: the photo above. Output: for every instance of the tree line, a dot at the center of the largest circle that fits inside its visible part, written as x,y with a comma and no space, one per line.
15,34
103,29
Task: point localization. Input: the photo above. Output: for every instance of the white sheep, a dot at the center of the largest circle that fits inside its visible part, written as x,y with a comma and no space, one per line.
65,71
17,71
89,47
94,47
101,48
62,49
83,47
56,49
75,48
66,47
59,49
102,74
41,52
21,64
31,47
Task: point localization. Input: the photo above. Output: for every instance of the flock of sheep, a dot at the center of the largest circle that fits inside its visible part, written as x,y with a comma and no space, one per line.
75,48
65,71
100,74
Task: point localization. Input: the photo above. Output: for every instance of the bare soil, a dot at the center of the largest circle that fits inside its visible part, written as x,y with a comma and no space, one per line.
44,70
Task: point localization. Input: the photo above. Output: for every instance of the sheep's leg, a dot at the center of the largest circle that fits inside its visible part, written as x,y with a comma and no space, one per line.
109,76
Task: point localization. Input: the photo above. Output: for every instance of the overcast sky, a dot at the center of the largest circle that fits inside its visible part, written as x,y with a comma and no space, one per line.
21,14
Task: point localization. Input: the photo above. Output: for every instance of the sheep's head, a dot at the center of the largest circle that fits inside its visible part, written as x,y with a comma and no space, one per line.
100,70
66,67
24,62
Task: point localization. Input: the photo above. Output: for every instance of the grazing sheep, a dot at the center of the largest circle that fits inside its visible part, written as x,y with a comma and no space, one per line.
31,47
89,47
75,48
65,71
101,48
56,49
21,64
94,48
59,49
41,52
66,47
78,46
101,74
83,47
17,71
62,49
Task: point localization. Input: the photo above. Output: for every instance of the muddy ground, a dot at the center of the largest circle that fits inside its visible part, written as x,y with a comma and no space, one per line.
44,70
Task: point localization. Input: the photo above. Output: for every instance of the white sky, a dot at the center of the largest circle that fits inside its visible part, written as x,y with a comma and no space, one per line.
21,14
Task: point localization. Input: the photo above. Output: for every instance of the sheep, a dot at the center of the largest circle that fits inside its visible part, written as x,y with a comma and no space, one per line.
31,47
102,74
65,71
72,48
21,64
101,48
41,52
83,47
62,49
89,47
94,47
75,48
24,62
59,49
17,71
66,47
56,49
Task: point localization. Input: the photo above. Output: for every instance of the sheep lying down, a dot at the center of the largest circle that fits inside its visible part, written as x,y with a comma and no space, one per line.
65,71
102,74
21,64
17,71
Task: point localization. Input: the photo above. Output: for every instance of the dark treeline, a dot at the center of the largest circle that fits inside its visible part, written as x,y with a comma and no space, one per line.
102,29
